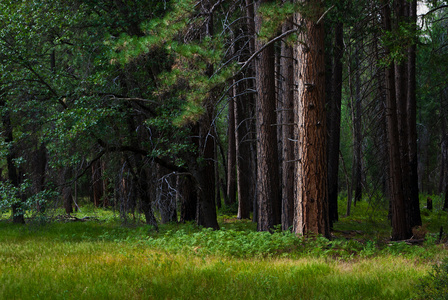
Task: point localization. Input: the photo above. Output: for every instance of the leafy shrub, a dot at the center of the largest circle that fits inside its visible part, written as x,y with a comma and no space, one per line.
227,242
435,284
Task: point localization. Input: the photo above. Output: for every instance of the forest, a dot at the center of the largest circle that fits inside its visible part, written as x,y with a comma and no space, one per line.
304,128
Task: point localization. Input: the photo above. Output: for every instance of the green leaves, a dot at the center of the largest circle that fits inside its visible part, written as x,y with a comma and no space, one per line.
398,42
274,14
191,77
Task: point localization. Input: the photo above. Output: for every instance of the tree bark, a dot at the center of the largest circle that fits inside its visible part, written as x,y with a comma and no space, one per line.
287,125
67,195
400,227
97,183
244,134
334,122
268,190
311,215
231,152
166,199
204,173
204,166
357,132
143,191
39,167
415,217
188,198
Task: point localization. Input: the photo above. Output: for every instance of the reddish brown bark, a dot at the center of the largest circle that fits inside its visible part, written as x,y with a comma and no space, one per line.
311,215
287,125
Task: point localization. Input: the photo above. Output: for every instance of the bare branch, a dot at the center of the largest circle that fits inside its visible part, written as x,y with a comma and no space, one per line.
286,33
324,14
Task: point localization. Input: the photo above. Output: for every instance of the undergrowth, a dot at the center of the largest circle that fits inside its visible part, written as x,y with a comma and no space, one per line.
94,255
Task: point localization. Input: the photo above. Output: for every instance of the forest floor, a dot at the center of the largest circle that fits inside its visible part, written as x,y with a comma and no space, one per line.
93,255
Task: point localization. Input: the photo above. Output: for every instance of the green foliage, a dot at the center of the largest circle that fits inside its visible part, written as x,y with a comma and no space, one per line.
274,14
22,198
398,42
226,242
197,64
11,195
104,260
435,284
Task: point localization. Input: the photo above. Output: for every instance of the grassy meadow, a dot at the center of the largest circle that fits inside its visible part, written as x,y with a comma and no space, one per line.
103,259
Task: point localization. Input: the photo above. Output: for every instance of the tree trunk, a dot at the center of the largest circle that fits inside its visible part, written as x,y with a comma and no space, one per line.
244,134
268,190
204,173
67,195
287,125
204,166
400,227
188,198
97,183
39,167
231,152
311,214
143,191
334,122
166,198
415,218
245,161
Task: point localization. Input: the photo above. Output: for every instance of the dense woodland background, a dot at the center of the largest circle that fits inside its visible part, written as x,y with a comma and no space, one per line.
172,109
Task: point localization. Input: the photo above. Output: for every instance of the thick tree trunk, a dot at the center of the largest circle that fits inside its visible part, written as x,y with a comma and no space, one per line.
400,227
244,134
67,195
39,167
268,190
97,183
311,215
143,191
288,123
334,122
204,167
188,198
204,173
140,177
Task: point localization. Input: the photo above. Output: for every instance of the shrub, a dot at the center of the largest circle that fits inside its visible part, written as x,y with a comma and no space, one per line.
435,284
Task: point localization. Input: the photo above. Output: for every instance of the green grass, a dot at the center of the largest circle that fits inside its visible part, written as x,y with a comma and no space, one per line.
53,269
102,259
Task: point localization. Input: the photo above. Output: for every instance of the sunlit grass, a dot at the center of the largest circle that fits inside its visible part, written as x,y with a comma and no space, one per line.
50,269
102,259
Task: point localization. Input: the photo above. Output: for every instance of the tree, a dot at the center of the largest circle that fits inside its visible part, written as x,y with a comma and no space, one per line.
287,125
400,226
244,114
268,189
334,99
311,206
411,107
